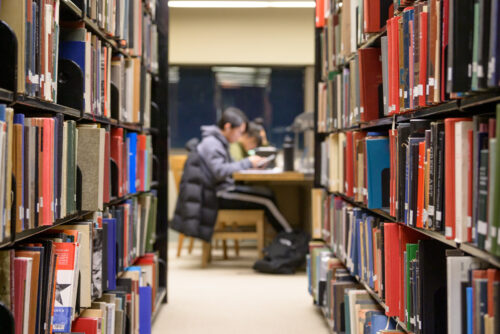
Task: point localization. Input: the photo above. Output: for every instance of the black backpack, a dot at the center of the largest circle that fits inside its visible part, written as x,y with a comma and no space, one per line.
285,254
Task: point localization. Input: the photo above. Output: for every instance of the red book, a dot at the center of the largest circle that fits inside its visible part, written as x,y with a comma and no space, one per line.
444,46
349,165
493,276
422,59
476,274
375,14
116,156
107,166
449,176
370,80
393,59
141,161
421,181
86,325
320,13
20,272
470,135
46,158
392,279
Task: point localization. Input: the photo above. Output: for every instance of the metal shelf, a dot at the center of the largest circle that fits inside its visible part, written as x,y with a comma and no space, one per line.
160,297
6,95
37,105
37,230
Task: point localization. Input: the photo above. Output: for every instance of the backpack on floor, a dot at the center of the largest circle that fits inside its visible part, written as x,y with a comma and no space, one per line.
285,254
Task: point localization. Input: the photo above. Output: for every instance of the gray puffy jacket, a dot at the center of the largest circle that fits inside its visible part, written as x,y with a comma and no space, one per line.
208,169
214,150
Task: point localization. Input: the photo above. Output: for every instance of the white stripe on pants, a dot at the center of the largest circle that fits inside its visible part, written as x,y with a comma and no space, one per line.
259,200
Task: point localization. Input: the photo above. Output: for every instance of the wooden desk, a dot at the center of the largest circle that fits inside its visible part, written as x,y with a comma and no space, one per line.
292,191
272,177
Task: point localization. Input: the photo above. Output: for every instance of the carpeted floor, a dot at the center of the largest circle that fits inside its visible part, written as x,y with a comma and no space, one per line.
229,297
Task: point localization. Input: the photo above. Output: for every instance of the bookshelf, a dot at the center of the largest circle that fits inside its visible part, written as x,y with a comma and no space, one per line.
345,204
147,48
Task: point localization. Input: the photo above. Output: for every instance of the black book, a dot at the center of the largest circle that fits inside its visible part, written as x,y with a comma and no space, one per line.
496,307
412,180
461,36
432,274
403,134
59,129
36,209
431,208
482,199
414,296
439,183
97,237
484,41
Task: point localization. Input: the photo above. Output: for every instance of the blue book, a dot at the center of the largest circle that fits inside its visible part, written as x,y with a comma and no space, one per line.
75,51
145,301
110,252
132,159
406,59
369,226
494,43
483,301
378,172
468,292
380,322
359,270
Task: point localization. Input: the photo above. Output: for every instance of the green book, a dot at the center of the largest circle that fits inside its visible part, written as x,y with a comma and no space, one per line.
347,314
411,254
151,228
475,46
495,191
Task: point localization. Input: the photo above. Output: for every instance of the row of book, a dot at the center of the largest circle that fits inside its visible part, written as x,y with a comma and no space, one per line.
53,282
348,307
438,175
425,284
428,56
44,41
55,168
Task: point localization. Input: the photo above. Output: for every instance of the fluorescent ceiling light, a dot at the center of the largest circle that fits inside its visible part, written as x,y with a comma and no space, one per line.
241,4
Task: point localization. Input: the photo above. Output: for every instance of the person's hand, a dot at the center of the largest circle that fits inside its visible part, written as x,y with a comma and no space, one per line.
256,160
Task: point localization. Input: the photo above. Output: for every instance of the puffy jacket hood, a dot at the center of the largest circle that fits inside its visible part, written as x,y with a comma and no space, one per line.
213,130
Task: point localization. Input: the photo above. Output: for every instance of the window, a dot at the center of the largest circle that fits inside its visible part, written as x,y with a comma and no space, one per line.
197,96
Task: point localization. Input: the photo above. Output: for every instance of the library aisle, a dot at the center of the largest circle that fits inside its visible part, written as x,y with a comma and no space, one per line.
229,297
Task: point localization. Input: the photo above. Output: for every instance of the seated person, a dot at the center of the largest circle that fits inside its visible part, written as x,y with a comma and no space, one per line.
260,122
247,142
214,152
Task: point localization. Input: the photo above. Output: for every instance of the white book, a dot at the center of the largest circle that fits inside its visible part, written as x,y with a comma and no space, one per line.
461,175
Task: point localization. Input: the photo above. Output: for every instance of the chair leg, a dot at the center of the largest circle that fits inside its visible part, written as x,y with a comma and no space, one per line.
205,256
237,247
179,244
260,237
191,244
224,249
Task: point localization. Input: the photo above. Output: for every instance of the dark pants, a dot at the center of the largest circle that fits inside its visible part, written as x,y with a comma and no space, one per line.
254,198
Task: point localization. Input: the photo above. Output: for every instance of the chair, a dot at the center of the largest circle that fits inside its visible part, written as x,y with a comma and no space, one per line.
236,225
177,166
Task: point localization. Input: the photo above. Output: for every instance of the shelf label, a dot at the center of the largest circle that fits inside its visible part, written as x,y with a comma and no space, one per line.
482,227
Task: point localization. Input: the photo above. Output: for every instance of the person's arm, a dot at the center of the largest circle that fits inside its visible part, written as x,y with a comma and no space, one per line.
215,161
